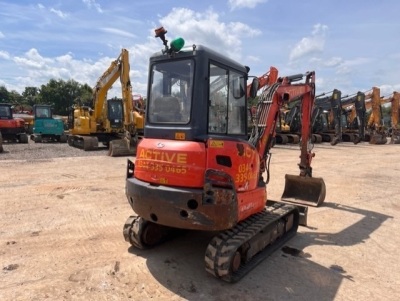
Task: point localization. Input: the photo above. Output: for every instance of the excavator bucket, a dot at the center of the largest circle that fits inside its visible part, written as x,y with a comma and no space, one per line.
121,147
304,190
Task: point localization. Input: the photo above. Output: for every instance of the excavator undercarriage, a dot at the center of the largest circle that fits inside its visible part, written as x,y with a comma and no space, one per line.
232,253
116,145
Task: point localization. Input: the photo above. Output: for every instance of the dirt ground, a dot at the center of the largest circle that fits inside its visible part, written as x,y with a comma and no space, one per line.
61,223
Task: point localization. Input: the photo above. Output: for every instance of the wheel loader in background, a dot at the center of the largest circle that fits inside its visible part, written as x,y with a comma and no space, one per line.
46,128
12,128
107,121
197,169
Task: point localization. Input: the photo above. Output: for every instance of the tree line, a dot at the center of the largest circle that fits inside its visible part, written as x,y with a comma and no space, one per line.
61,94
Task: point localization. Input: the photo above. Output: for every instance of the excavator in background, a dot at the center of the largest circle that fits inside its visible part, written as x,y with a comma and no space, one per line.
327,117
24,112
288,129
138,114
355,111
197,169
340,119
374,127
108,121
12,129
394,126
46,127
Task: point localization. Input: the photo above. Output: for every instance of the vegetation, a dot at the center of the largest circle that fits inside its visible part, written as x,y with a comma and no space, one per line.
59,93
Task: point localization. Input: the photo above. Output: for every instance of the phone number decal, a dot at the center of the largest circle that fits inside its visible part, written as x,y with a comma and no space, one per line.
158,167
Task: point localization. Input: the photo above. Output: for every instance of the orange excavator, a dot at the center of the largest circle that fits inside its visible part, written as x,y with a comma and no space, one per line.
197,169
395,131
283,135
375,128
12,128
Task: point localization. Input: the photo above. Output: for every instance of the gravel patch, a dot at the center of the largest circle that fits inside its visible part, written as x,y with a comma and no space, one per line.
43,151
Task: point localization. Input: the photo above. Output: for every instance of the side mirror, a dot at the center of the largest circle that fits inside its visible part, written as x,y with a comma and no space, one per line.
255,84
237,88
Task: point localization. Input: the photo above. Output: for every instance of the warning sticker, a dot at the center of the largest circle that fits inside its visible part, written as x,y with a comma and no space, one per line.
216,143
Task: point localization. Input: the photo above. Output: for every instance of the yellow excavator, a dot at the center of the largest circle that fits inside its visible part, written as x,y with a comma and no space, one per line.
108,121
138,113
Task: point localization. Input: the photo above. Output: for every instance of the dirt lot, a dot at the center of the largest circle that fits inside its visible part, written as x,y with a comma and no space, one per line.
61,237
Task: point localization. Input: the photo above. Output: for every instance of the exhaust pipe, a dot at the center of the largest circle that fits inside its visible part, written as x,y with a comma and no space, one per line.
304,190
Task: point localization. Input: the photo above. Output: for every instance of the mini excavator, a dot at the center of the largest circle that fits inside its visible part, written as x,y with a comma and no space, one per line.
197,168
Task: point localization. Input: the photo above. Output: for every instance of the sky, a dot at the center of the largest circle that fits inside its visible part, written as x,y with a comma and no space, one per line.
351,45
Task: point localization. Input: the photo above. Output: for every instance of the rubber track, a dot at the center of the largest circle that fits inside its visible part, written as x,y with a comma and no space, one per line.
222,247
130,231
136,226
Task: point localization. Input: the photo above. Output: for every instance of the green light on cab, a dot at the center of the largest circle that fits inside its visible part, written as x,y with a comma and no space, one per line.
177,44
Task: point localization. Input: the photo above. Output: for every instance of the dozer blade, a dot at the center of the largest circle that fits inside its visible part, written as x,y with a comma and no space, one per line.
121,147
304,190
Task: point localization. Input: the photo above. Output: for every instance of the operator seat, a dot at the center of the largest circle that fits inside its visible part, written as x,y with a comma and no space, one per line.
167,109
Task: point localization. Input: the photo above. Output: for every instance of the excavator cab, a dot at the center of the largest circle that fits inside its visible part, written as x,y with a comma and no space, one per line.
176,94
115,113
6,112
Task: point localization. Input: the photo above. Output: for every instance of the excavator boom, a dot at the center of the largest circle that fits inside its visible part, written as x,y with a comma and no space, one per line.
374,125
302,189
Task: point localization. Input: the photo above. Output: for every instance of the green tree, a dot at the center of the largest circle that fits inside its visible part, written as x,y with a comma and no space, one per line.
4,94
15,97
62,94
86,94
31,95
